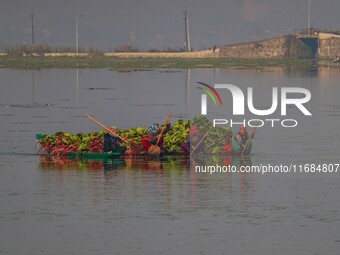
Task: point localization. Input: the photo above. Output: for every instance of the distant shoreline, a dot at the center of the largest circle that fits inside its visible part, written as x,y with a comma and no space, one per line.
145,60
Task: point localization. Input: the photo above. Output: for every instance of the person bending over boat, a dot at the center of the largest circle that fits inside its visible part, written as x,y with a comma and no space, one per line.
113,143
153,135
239,142
193,138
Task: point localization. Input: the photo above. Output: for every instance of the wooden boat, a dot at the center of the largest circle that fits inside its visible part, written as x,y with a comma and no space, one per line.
238,150
113,155
104,155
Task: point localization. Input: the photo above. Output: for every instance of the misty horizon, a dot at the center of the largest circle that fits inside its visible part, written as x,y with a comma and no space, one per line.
154,24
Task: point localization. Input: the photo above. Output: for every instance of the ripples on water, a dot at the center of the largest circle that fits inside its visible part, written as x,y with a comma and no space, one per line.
55,205
138,206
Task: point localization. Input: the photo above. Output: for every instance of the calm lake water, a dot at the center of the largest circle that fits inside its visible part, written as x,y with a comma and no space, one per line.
56,206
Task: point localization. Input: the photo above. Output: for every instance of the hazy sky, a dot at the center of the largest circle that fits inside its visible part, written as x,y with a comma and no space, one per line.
158,24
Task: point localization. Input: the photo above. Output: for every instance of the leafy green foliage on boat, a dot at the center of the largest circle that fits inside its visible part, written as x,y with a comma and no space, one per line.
63,143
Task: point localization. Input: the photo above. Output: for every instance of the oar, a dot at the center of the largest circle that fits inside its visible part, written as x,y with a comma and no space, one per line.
167,120
155,149
133,146
250,137
204,136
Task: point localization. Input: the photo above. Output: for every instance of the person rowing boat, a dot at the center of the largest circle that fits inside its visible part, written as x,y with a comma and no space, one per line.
113,143
242,143
154,135
193,138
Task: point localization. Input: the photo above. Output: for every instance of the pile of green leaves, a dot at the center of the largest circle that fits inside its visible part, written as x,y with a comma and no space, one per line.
216,138
133,134
62,143
178,133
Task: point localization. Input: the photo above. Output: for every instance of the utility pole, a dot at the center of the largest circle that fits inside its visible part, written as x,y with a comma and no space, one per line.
31,14
77,35
187,47
308,17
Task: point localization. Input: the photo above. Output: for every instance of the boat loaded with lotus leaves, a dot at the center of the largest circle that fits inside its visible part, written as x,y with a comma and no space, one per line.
211,141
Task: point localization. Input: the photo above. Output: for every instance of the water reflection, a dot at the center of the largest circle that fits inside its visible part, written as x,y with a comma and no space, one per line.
187,87
145,163
120,163
65,163
33,87
149,188
77,87
167,179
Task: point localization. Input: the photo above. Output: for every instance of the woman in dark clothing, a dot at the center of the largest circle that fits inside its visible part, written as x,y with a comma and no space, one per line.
113,143
193,139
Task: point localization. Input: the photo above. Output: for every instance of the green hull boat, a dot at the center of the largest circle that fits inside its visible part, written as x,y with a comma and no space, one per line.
104,155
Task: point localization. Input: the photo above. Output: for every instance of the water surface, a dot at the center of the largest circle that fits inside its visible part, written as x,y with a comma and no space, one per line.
125,206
